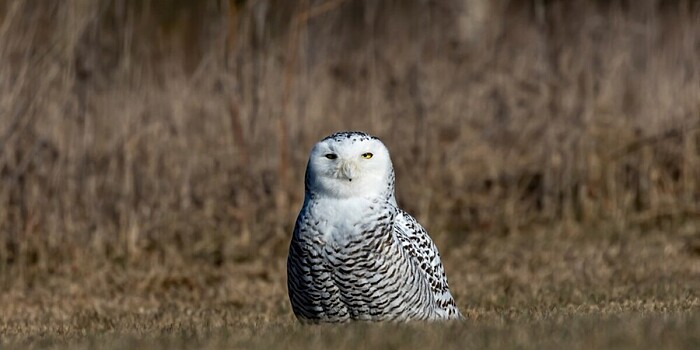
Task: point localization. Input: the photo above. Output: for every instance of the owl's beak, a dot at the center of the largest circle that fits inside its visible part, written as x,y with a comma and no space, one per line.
349,170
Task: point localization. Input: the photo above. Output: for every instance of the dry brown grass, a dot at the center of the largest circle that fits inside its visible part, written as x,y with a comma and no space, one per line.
152,154
582,289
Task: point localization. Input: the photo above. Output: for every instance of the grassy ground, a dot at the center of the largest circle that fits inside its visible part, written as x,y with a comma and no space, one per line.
621,331
546,289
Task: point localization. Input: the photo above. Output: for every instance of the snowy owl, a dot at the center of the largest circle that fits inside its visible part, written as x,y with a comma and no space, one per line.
354,254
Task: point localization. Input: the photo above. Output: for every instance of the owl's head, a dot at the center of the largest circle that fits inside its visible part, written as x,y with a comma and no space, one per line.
350,164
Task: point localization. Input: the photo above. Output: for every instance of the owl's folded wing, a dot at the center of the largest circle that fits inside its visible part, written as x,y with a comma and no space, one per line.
415,241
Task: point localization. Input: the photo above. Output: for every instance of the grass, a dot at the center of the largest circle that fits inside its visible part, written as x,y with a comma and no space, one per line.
152,159
622,331
543,289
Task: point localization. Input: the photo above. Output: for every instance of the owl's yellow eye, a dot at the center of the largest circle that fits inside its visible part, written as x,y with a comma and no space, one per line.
367,155
331,156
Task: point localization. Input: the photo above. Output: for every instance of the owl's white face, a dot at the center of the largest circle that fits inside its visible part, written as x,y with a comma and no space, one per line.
349,164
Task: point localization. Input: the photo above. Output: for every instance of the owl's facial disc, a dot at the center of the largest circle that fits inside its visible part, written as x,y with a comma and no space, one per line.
349,166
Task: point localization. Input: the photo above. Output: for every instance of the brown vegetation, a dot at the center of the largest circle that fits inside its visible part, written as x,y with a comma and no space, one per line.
152,154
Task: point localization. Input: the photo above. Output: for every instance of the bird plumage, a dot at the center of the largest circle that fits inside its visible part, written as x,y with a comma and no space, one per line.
354,255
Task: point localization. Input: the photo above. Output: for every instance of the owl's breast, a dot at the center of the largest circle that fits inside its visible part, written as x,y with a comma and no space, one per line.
340,222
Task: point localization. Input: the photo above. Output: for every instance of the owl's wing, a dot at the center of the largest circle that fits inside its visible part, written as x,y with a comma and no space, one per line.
415,241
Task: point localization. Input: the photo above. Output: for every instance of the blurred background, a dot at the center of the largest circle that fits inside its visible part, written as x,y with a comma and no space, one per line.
160,145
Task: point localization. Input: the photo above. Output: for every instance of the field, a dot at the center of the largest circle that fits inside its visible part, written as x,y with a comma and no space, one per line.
551,289
152,158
